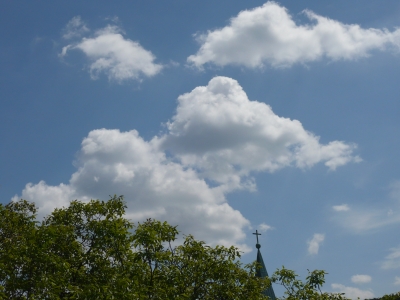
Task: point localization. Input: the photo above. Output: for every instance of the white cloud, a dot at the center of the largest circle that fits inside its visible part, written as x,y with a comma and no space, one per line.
119,58
217,134
361,278
267,35
397,280
75,28
352,292
111,162
392,261
47,197
315,242
264,227
224,135
343,207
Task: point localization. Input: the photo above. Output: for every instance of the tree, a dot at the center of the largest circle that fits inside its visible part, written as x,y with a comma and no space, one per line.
91,251
192,270
76,252
299,290
394,296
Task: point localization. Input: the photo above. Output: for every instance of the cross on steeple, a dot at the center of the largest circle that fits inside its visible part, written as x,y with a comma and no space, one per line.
261,270
257,234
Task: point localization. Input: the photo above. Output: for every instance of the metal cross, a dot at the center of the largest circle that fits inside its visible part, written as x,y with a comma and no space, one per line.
257,234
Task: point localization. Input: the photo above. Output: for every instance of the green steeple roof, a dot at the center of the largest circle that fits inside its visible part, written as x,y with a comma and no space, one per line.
262,272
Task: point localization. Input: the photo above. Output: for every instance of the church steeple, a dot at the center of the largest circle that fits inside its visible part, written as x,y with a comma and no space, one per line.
262,272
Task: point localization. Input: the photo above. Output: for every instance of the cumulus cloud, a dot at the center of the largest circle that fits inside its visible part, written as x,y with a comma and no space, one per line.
117,57
361,278
216,135
220,132
75,28
111,161
47,197
392,261
315,242
343,207
352,292
268,35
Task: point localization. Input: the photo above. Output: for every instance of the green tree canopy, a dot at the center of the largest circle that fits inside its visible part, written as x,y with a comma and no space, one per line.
394,296
311,289
91,251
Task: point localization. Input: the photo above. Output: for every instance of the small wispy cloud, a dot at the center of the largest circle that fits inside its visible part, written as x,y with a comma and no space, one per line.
343,207
397,280
362,218
392,261
394,188
368,219
315,242
361,278
75,28
264,227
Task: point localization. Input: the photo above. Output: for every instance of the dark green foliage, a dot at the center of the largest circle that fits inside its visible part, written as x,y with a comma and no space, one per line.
394,296
308,290
90,251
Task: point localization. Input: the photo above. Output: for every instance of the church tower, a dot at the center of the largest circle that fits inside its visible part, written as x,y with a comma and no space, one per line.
262,272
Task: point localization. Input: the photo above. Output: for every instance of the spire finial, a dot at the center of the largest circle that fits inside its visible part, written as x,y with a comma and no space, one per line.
258,246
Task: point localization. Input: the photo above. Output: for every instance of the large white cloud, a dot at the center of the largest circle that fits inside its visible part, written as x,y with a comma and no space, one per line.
219,131
112,54
268,35
218,135
352,292
111,161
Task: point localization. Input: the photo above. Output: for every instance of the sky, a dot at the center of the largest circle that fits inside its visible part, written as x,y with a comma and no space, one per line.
221,117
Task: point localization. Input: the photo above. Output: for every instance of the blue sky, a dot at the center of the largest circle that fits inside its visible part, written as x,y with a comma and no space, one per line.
221,118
